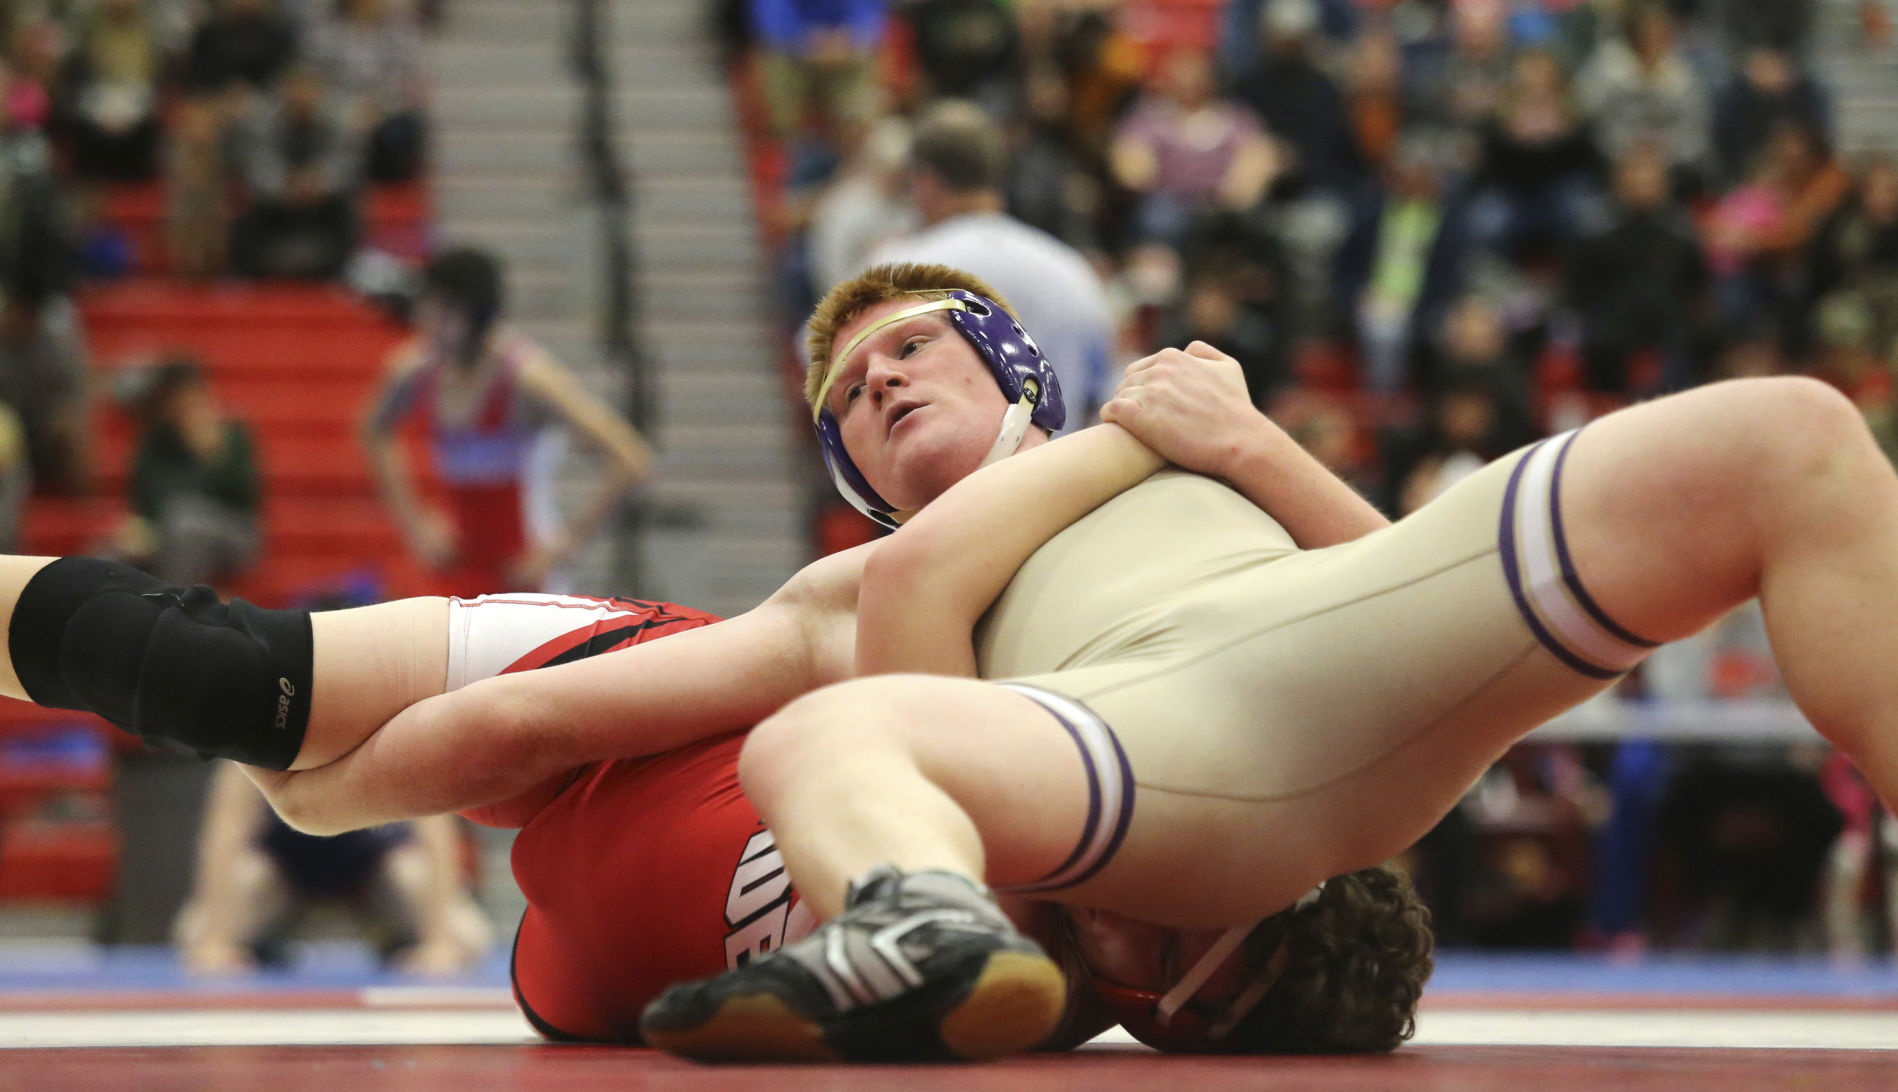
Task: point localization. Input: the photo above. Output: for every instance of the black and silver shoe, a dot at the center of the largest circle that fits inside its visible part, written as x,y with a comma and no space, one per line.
919,967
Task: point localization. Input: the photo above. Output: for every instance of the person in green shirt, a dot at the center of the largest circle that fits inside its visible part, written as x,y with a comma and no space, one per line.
194,488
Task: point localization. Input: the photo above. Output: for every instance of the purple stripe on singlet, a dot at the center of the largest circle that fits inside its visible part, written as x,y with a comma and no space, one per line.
1126,802
1052,881
1514,576
1569,576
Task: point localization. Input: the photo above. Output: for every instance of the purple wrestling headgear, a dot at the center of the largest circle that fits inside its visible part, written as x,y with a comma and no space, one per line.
1025,376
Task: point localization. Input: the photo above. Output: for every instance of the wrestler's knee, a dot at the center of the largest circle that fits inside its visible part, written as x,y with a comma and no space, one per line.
849,717
1797,426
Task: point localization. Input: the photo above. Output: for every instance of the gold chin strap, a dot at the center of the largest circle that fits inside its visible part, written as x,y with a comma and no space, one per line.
837,362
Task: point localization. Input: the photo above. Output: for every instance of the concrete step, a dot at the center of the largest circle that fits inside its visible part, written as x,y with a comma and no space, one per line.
685,301
635,21
509,20
780,494
699,383
554,98
709,198
682,347
536,60
693,247
487,198
547,152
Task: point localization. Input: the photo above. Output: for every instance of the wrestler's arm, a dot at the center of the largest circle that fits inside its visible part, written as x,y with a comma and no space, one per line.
628,459
497,738
925,586
1191,406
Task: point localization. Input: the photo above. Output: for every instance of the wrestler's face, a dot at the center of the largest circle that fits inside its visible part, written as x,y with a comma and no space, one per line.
917,406
1122,951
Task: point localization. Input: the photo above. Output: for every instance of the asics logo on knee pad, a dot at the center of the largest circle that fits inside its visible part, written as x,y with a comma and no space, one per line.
283,703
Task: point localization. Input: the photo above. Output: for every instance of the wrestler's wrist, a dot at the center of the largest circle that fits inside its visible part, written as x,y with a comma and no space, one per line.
1255,454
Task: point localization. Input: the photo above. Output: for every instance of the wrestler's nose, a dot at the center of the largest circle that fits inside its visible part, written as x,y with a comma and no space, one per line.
883,380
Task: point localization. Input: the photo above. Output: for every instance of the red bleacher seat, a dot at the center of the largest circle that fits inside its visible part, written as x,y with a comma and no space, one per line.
395,219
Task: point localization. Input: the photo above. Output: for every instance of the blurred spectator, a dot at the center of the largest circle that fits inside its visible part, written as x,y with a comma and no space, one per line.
1477,412
43,377
197,191
1741,26
1638,88
1324,426
1399,264
301,170
242,44
1639,285
113,79
1855,866
1767,91
1375,97
863,207
258,880
16,478
1759,230
1460,92
194,489
1053,184
818,62
1856,250
958,163
1531,812
1753,351
38,46
1534,187
1846,357
1102,64
1211,313
371,56
1253,268
1238,46
1749,832
1462,416
969,49
1186,152
1301,107
488,397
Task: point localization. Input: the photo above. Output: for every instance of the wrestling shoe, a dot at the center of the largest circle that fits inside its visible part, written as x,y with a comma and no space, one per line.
918,967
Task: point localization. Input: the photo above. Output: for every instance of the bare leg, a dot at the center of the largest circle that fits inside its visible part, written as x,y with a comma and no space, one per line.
371,663
920,772
1682,508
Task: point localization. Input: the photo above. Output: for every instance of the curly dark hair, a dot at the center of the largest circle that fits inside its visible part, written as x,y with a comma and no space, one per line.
1355,963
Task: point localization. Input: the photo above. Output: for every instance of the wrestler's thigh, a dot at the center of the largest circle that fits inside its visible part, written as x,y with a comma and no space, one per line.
370,664
1666,503
1010,763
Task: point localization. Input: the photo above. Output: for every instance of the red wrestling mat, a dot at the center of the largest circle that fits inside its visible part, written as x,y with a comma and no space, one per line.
468,1068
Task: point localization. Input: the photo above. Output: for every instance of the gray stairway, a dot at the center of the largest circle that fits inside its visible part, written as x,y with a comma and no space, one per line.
730,462
509,176
1862,78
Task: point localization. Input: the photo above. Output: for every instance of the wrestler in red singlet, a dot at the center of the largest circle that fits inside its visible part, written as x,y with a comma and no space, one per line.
638,872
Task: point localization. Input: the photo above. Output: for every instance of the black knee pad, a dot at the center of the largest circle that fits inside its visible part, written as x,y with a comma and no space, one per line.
166,662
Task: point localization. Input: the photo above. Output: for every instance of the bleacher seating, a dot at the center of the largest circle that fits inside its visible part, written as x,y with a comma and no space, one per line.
298,364
395,220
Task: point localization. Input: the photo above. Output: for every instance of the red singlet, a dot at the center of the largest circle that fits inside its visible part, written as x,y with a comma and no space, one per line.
641,872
